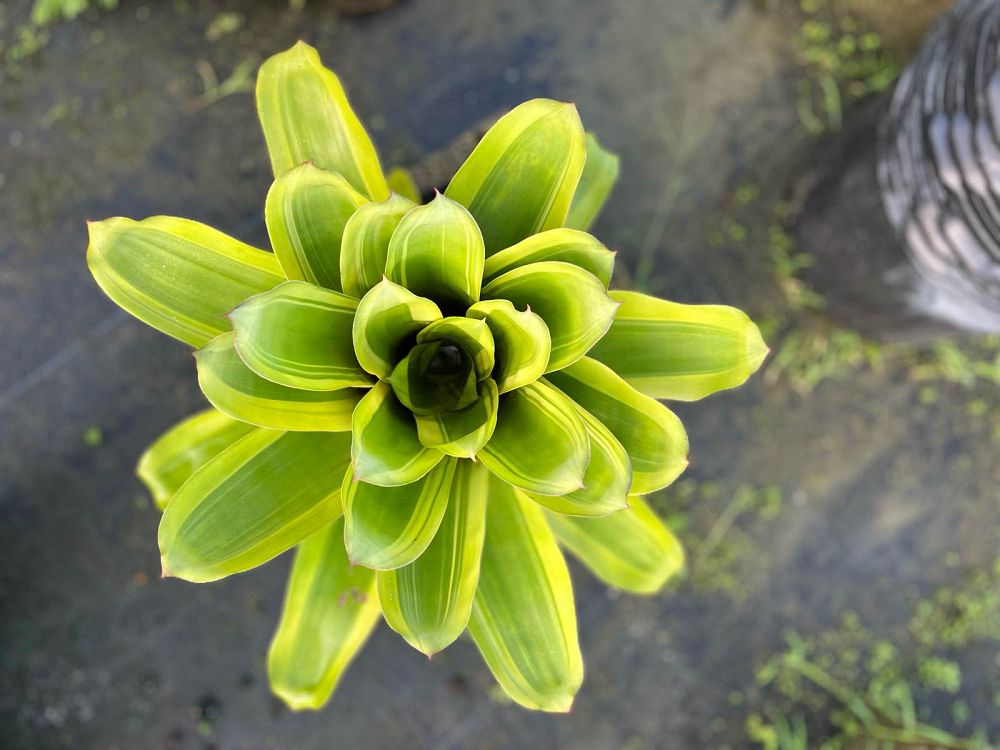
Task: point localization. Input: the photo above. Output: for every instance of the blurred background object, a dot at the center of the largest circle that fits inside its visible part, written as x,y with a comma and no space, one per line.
939,168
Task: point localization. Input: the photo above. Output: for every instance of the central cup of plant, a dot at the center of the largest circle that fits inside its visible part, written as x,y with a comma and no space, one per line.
425,400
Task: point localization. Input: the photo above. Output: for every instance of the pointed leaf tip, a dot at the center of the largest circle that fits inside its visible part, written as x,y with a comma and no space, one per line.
306,116
437,252
521,176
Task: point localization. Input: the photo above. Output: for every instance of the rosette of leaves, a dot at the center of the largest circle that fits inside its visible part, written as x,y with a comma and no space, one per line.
428,401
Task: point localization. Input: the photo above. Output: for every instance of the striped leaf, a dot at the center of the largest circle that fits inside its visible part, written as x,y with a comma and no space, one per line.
234,389
388,527
684,352
306,117
429,601
306,211
437,252
174,456
523,617
178,276
606,482
651,434
386,449
521,342
259,497
331,607
566,245
365,243
630,549
521,177
300,335
573,303
462,433
540,442
600,172
387,318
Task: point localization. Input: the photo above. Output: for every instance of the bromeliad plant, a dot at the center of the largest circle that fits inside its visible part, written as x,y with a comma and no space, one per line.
427,400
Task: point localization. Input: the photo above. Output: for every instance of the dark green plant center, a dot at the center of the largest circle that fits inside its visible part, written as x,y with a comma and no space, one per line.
435,377
445,364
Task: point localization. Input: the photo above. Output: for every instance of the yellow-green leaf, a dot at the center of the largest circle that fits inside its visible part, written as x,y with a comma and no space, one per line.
233,388
175,455
300,335
306,211
365,243
386,449
388,527
464,432
540,442
521,177
567,245
401,182
523,617
387,318
331,607
437,252
630,549
600,172
306,117
573,303
684,352
178,276
606,483
428,602
521,342
652,435
261,496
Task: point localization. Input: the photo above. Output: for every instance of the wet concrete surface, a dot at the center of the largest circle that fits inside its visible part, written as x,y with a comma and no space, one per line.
97,652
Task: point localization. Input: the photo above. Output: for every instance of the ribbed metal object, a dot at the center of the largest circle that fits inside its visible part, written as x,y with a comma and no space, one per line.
939,167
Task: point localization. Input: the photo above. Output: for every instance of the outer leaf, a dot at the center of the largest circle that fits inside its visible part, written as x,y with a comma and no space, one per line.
306,117
386,450
567,245
259,497
607,481
652,435
573,303
402,183
178,276
683,352
474,336
306,210
600,172
462,433
235,389
521,342
387,318
630,549
388,527
365,244
331,607
429,601
437,252
166,464
300,335
523,618
540,443
521,177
